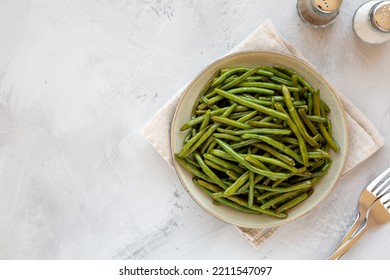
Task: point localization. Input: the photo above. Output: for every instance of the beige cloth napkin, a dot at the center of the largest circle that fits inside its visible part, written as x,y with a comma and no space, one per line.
364,137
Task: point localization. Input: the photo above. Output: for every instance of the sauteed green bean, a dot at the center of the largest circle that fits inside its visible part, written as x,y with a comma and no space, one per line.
259,139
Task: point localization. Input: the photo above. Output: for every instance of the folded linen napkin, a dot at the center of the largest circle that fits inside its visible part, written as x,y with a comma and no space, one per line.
364,137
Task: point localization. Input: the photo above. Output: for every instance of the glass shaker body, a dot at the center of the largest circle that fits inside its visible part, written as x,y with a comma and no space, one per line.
371,22
318,13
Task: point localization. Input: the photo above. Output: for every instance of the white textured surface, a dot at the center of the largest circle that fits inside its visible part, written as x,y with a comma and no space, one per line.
78,79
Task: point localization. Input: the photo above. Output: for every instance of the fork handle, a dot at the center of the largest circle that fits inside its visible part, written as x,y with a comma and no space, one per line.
359,219
347,245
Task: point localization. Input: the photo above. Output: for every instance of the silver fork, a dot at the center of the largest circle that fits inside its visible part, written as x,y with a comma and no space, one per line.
378,187
378,214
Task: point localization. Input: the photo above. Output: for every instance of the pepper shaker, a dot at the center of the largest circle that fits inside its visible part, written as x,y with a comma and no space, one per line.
371,22
318,13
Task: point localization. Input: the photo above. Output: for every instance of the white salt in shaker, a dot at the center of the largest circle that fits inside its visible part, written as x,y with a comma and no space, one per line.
371,22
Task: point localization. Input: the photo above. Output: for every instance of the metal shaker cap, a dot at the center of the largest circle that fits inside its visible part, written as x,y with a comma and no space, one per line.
380,16
327,6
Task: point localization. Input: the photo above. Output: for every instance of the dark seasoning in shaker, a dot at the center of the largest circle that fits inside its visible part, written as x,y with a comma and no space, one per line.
318,13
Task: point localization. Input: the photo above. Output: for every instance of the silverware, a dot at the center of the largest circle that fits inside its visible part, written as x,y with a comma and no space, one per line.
378,214
378,187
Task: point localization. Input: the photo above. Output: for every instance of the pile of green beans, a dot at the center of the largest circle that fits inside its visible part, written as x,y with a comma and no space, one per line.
259,139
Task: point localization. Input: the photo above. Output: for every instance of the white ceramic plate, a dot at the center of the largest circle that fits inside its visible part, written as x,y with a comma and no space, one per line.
251,59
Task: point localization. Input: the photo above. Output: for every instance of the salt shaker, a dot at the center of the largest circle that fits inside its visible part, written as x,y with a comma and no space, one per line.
318,13
371,22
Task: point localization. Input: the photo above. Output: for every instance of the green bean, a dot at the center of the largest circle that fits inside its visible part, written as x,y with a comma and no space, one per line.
214,100
257,78
245,187
298,186
236,70
206,145
292,203
208,132
236,185
261,71
214,166
243,162
199,119
295,118
296,131
288,140
324,132
310,104
318,153
276,144
191,161
239,79
227,74
325,106
230,122
205,120
252,105
282,81
256,162
274,162
204,105
209,172
269,212
277,72
247,117
207,185
232,175
224,201
212,145
244,143
266,195
279,198
227,137
251,195
262,131
231,78
256,208
186,148
299,78
277,98
204,91
307,121
294,80
317,119
217,112
257,101
239,90
192,168
238,115
264,124
275,153
188,137
278,182
298,103
258,117
234,205
222,154
265,85
267,131
225,164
